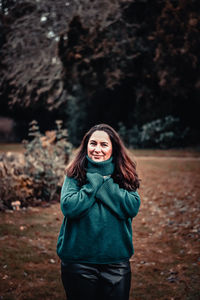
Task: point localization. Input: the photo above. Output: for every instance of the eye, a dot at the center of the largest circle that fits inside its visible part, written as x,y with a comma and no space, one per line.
104,145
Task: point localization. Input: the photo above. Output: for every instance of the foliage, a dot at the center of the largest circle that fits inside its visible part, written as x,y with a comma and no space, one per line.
100,61
46,159
161,133
31,73
138,68
165,133
14,184
38,176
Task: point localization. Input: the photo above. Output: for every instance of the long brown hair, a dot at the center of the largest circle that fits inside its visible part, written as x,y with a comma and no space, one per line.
125,168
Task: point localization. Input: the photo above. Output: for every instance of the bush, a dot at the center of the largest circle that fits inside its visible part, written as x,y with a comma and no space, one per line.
161,133
39,175
13,181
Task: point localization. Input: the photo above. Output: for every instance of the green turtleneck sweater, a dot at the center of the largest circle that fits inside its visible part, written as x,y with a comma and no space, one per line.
97,218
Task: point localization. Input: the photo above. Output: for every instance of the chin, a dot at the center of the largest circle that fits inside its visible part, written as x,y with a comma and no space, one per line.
98,158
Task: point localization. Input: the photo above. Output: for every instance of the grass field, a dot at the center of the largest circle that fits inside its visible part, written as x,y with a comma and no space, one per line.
188,152
166,236
12,147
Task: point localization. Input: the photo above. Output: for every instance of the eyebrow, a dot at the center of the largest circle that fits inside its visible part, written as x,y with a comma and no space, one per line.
96,141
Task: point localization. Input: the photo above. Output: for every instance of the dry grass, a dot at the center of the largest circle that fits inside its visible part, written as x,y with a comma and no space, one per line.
12,147
165,234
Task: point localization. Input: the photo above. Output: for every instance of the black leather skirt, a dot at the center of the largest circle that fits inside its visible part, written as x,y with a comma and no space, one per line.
96,281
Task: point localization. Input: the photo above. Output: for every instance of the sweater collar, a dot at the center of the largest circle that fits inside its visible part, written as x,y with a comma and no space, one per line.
103,168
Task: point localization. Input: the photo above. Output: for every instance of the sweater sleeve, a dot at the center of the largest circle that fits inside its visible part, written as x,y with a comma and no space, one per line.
125,204
75,200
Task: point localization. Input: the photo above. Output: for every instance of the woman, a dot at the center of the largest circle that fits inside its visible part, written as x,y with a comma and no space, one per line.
98,201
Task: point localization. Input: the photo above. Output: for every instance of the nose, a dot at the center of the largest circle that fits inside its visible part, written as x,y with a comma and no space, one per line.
97,148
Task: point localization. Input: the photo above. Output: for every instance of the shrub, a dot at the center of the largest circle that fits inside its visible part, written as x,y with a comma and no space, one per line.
39,175
45,160
14,183
161,133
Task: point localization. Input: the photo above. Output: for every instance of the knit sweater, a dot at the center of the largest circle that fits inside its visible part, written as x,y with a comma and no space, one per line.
97,218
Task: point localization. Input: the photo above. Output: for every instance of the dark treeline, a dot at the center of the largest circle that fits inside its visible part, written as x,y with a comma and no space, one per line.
132,64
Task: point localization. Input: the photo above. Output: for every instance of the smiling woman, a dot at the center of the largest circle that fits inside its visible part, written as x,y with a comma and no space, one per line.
99,199
99,146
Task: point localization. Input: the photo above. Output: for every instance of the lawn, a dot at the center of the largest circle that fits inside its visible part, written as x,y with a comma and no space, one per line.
166,236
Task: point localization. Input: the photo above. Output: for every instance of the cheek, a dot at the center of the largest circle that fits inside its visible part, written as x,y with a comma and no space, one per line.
89,148
109,151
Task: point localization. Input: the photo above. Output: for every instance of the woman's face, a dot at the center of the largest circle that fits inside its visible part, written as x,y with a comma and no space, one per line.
99,146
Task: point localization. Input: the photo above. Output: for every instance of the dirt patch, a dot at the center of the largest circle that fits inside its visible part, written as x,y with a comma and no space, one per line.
167,230
166,235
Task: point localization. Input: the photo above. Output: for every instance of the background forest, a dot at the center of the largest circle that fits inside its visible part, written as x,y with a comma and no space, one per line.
131,64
